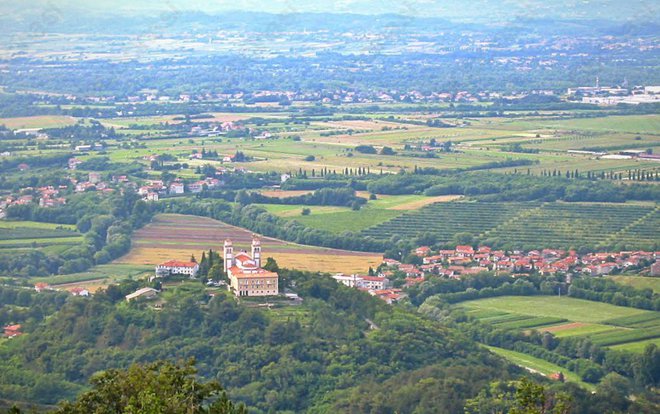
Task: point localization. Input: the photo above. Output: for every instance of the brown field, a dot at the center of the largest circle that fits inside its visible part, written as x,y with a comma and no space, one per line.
415,205
566,326
227,117
91,285
175,236
34,122
362,124
285,193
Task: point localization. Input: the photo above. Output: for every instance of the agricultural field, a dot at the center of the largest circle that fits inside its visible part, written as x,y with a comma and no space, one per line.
532,225
638,282
602,323
340,219
538,366
97,277
38,122
178,237
25,235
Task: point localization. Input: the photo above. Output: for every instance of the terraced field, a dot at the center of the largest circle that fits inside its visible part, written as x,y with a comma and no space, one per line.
604,324
533,225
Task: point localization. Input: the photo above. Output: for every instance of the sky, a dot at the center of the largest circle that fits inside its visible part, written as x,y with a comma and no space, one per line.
465,10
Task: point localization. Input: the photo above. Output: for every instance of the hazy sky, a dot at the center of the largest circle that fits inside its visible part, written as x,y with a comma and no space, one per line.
457,9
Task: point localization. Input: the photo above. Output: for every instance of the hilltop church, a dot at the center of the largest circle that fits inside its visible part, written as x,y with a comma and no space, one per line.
246,276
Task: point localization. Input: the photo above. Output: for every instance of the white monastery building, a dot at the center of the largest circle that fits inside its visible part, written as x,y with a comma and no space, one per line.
246,276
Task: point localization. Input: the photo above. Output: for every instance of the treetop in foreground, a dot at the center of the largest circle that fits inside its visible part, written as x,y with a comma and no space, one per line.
156,388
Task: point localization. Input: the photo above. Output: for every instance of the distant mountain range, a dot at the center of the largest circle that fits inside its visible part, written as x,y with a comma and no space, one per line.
470,11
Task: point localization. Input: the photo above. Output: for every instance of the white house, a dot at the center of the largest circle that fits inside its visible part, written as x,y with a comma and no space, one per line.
177,188
142,293
363,282
174,267
348,280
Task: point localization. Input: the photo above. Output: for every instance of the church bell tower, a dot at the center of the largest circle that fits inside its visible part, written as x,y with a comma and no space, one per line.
256,250
228,255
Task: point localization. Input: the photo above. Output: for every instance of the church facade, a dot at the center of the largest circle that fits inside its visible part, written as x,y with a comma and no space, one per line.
246,276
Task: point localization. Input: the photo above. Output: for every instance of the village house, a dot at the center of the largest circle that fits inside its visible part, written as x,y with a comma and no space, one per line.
390,296
79,291
74,163
423,251
363,282
352,281
144,293
246,276
655,268
151,197
51,202
177,188
174,267
11,331
464,251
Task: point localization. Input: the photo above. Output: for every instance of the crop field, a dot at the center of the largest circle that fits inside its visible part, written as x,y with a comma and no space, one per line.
447,219
637,124
604,324
25,235
349,220
637,347
340,219
97,277
177,237
530,225
284,193
38,122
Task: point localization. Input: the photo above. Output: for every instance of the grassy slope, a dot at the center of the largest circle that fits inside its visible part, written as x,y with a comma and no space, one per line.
538,365
639,282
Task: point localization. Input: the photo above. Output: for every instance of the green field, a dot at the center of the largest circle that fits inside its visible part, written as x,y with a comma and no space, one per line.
538,365
532,225
9,224
51,238
102,273
576,310
637,347
638,282
604,324
340,219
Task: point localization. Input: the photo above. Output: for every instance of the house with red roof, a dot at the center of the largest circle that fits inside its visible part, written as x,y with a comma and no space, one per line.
464,251
246,276
11,331
175,267
423,251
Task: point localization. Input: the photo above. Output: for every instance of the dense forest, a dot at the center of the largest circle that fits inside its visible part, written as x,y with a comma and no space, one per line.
340,350
337,341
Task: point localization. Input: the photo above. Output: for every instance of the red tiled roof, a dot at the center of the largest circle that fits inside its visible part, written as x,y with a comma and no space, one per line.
175,263
239,273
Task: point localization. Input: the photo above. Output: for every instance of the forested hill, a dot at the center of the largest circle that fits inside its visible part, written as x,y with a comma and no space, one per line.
309,358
